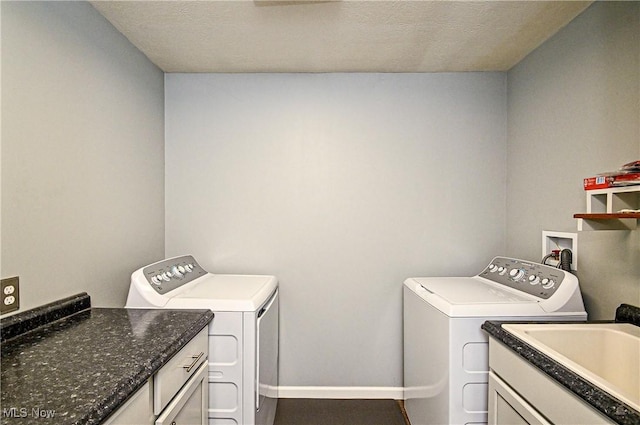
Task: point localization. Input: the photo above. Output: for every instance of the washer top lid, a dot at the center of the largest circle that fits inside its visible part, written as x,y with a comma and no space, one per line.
470,290
472,297
225,292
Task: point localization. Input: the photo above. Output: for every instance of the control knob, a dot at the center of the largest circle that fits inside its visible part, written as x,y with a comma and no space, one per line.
175,272
493,268
156,279
516,274
548,283
502,270
534,280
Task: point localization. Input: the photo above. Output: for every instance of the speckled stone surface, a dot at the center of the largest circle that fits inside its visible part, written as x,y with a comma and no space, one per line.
81,368
628,314
597,398
20,323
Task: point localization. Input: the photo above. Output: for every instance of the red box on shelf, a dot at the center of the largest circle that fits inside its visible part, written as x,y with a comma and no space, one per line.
604,182
598,182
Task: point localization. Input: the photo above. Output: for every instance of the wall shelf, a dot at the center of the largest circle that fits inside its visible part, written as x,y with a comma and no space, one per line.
606,216
602,221
603,206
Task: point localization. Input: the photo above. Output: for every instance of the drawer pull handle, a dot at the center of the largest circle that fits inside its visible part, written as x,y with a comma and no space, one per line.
196,359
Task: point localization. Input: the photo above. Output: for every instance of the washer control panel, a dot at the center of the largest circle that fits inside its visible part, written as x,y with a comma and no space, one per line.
532,278
167,275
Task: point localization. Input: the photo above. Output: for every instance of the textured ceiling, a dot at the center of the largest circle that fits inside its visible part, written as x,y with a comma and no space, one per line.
337,36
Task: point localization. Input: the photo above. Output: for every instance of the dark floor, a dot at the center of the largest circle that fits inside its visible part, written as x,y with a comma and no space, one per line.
304,411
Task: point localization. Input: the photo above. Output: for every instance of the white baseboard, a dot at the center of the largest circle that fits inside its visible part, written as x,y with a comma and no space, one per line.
395,393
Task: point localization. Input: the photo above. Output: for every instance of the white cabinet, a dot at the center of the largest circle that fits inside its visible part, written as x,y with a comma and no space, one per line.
178,370
136,410
507,407
175,395
519,393
189,406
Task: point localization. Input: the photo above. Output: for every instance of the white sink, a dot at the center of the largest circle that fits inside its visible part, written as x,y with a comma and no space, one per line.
606,354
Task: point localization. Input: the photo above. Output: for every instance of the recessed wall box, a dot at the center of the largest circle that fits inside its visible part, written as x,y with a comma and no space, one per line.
558,241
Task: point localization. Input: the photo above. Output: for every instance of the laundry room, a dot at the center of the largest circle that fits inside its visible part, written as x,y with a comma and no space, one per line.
340,171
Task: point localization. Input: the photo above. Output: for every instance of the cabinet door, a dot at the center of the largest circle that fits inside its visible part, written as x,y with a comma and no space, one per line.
506,407
189,407
135,411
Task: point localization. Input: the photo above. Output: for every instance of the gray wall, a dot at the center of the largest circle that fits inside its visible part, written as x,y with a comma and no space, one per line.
342,185
574,111
82,154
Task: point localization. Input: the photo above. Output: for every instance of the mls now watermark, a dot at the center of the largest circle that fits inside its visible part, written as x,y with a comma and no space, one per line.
23,412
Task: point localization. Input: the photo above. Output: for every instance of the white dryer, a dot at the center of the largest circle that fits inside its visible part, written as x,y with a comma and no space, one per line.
243,335
446,353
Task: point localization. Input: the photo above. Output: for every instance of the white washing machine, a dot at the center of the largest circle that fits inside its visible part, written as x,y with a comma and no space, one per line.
446,353
243,335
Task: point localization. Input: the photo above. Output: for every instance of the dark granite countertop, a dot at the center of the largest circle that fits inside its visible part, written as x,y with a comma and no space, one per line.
78,364
599,399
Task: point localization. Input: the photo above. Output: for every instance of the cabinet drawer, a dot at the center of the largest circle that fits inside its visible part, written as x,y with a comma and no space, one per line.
190,405
172,376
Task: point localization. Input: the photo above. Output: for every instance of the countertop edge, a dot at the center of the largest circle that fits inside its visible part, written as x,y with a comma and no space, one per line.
599,399
627,313
26,321
128,386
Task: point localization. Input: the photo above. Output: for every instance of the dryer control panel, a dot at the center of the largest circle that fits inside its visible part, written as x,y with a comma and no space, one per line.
167,275
533,278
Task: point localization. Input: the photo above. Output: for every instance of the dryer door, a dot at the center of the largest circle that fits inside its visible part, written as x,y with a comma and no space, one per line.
267,355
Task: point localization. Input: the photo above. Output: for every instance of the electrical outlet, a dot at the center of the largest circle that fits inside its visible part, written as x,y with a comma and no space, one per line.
10,294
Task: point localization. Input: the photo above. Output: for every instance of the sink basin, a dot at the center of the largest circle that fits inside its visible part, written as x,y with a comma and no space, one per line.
605,354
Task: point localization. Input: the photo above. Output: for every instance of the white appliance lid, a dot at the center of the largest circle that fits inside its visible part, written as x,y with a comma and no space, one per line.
470,290
224,292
